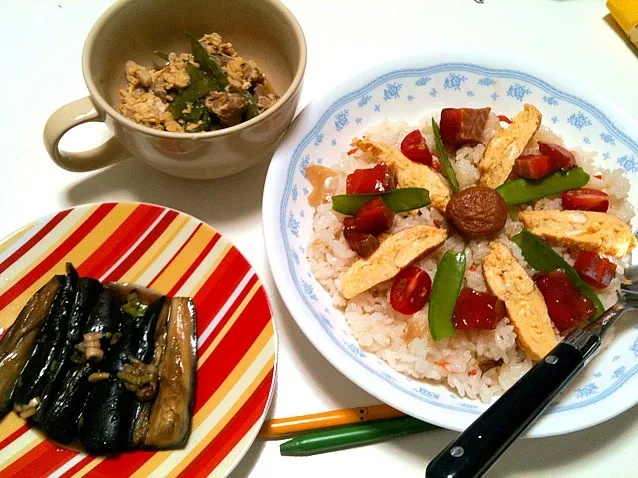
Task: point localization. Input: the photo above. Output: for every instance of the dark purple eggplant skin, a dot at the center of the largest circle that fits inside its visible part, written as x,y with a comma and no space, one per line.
146,331
118,353
17,344
86,296
104,427
104,317
102,430
42,366
61,422
145,349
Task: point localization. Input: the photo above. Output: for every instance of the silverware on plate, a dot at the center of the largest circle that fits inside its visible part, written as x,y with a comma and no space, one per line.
476,449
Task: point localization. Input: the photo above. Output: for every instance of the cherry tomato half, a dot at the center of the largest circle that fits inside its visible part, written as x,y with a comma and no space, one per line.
416,149
410,290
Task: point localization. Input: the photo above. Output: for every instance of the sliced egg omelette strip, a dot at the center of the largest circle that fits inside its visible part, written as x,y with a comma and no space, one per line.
525,304
507,145
597,232
394,253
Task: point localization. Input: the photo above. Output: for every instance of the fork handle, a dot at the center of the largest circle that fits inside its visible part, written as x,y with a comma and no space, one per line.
483,442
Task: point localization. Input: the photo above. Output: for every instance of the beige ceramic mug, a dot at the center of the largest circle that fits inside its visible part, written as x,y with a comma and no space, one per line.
261,30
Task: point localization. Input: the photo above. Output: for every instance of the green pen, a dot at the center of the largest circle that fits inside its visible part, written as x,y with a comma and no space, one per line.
351,436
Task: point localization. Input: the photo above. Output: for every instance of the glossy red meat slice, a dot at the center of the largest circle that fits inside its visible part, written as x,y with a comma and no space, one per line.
374,217
372,180
416,149
410,290
533,166
461,126
595,270
566,306
586,199
363,243
477,310
562,158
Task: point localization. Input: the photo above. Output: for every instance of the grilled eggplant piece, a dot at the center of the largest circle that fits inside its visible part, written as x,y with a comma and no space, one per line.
161,334
102,421
146,343
170,420
44,362
62,419
16,347
87,293
104,317
104,426
138,420
141,406
85,296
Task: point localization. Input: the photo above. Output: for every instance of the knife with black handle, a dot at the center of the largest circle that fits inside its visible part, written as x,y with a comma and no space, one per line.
485,440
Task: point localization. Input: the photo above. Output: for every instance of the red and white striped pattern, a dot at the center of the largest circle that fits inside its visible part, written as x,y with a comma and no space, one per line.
177,255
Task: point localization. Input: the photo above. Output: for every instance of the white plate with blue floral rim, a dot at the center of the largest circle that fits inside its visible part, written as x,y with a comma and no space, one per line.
408,89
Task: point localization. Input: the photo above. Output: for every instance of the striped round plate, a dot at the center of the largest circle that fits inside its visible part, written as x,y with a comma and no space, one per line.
175,254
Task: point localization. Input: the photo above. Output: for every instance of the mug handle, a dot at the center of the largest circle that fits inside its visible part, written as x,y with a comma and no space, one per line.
69,116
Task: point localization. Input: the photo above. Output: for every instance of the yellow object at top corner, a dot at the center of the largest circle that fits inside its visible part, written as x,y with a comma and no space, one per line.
625,12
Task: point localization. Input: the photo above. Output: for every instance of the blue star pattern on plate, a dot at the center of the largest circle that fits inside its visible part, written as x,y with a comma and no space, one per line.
586,391
518,91
618,372
607,138
364,101
392,91
341,119
454,81
305,161
579,120
550,100
355,349
293,225
426,393
628,163
486,81
309,290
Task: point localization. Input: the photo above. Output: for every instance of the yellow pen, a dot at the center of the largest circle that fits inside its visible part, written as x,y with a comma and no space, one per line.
281,427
